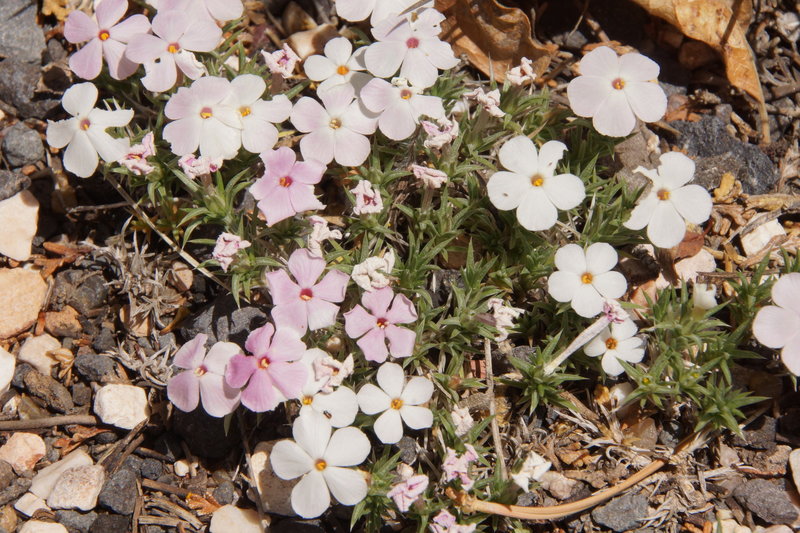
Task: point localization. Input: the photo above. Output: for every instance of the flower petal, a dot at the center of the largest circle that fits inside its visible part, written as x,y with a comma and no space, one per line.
88,61
357,322
372,399
416,417
550,154
192,353
318,146
348,486
402,310
587,94
391,379
587,302
109,12
565,191
571,258
239,370
389,426
350,148
321,314
401,341
79,27
219,399
519,155
312,432
610,284
418,390
642,213
79,99
183,390
506,189
332,287
675,169
373,344
597,346
80,157
614,117
308,115
347,447
602,61
637,67
398,121
319,67
60,133
341,405
775,326
790,355
666,228
786,292
293,315
562,286
647,100
692,202
600,257
305,267
378,301
310,497
383,58
536,212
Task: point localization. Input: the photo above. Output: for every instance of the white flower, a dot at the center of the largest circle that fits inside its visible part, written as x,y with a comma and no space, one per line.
355,10
521,75
778,326
414,48
531,186
373,274
441,133
194,166
84,134
320,232
257,116
490,102
321,459
339,66
615,90
400,106
226,248
398,402
281,61
670,202
332,372
504,317
585,279
704,297
431,178
462,420
368,200
614,343
340,406
533,468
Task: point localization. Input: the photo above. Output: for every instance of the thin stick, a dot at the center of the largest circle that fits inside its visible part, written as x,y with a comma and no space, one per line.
50,421
498,442
83,208
163,487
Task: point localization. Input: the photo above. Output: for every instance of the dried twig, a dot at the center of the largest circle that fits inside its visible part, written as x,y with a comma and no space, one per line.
50,421
498,441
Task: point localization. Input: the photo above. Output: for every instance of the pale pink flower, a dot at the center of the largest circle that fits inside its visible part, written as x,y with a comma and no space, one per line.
273,373
204,378
375,272
281,61
445,522
431,178
170,49
377,324
615,90
332,372
778,326
306,304
368,200
320,232
413,48
287,186
201,118
219,10
355,10
84,134
195,167
136,158
338,66
257,116
457,466
408,491
521,75
336,131
441,133
489,102
399,106
226,248
105,38
462,420
504,317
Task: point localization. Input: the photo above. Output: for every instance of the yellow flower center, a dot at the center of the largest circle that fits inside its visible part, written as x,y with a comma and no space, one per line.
206,113
406,94
537,180
586,278
285,182
263,363
342,70
382,323
200,371
320,465
103,35
611,343
307,400
244,111
663,194
85,124
335,123
173,48
618,84
397,403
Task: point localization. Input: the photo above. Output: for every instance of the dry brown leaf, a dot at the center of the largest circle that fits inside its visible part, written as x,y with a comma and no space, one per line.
494,37
57,8
715,23
203,505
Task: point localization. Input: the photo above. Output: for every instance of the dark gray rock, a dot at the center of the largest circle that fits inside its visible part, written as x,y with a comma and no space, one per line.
81,394
11,183
7,475
293,525
55,51
225,493
770,502
716,152
53,393
119,492
760,435
17,488
75,521
622,513
152,468
18,81
90,295
204,434
134,464
104,341
408,450
110,523
20,36
224,321
95,367
22,146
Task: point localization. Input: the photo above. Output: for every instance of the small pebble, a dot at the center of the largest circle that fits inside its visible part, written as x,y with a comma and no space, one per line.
23,451
29,503
229,518
77,488
37,526
124,406
35,352
120,492
46,478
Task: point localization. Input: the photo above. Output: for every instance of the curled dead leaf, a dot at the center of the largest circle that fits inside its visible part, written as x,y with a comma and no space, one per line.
494,37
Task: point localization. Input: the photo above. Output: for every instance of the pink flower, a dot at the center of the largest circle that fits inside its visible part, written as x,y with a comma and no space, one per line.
431,178
374,328
368,200
281,61
521,75
271,374
136,158
355,10
414,48
778,326
105,38
306,304
399,106
219,10
441,133
374,272
287,186
445,522
257,115
337,131
457,466
408,491
204,377
490,102
332,372
228,245
202,118
176,37
320,232
194,166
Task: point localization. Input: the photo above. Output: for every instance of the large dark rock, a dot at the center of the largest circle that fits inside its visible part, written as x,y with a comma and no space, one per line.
90,295
75,521
53,393
204,434
11,183
224,321
95,367
22,146
110,523
769,501
119,493
622,513
20,36
18,81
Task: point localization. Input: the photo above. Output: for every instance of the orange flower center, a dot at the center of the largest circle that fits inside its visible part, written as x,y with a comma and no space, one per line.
285,182
85,124
307,400
405,94
611,343
244,111
537,180
342,70
663,194
173,48
306,295
618,84
200,371
586,278
103,35
263,363
397,403
320,465
206,113
335,123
